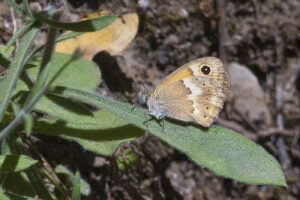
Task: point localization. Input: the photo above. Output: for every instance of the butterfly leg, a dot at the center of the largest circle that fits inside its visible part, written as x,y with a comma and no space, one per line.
163,125
147,120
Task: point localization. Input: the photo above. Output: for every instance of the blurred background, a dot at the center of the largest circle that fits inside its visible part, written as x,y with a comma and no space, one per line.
259,43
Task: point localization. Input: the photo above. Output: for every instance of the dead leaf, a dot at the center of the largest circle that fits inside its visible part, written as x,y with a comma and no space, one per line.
113,39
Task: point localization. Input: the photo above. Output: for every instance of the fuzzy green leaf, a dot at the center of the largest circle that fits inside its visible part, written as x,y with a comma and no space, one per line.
89,25
81,74
221,150
126,159
76,194
18,187
16,66
3,196
103,137
14,163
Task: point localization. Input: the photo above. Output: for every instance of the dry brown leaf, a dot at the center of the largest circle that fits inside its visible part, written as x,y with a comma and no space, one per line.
113,39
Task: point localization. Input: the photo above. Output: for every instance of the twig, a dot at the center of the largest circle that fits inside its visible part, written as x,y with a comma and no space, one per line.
254,135
245,119
283,155
275,131
295,141
238,128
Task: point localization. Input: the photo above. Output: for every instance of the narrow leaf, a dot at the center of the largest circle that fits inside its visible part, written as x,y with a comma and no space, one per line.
82,26
68,35
19,32
5,150
16,7
28,124
44,69
37,183
14,163
15,70
76,194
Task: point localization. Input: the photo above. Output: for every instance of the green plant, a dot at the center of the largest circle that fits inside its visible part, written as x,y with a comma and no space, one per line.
53,84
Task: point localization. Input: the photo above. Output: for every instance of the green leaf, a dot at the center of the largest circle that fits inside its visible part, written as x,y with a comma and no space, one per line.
103,137
19,33
64,109
17,186
12,144
4,61
81,74
28,124
126,159
28,106
5,150
44,68
76,194
16,66
14,163
38,184
16,7
221,150
61,108
6,51
85,188
12,196
3,196
82,26
68,35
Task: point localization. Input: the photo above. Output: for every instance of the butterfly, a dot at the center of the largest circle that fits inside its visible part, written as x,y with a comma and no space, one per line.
195,92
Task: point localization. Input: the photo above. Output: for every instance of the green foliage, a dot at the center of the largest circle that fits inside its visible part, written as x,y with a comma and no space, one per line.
15,163
15,69
126,159
103,135
76,187
60,85
82,26
223,151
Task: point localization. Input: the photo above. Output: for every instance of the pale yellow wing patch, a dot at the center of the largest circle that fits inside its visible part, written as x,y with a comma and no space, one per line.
194,69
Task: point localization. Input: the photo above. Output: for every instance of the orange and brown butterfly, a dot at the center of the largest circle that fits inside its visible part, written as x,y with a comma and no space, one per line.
193,93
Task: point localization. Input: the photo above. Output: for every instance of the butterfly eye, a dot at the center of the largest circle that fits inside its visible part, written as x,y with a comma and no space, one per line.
205,69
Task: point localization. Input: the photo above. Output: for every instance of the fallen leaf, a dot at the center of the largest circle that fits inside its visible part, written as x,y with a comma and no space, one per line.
113,39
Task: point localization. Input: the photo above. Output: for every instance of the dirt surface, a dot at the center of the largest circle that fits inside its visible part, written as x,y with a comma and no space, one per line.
260,39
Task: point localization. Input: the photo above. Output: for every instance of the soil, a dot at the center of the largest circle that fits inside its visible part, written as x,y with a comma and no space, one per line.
263,36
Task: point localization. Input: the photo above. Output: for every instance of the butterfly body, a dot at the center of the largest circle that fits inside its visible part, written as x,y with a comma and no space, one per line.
193,93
